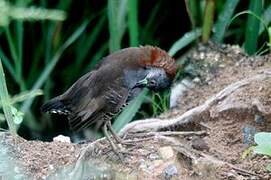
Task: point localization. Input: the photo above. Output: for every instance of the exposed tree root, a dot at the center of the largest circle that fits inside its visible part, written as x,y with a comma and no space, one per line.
193,115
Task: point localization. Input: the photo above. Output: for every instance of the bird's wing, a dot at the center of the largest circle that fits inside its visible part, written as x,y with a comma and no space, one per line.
99,109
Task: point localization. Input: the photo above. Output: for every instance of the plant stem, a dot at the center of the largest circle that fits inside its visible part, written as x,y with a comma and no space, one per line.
208,20
6,102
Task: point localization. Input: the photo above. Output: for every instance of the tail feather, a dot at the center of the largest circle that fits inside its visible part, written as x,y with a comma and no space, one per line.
55,106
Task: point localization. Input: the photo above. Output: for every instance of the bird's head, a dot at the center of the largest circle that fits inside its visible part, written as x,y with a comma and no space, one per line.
160,69
155,79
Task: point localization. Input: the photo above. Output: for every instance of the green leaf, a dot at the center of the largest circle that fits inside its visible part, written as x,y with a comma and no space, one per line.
17,115
193,11
129,112
208,20
133,22
96,57
23,96
263,138
254,15
186,39
266,18
2,117
34,13
48,69
88,43
8,66
115,39
263,149
224,19
252,27
4,96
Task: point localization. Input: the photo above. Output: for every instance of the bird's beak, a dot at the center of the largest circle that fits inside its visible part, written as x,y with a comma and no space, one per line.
141,83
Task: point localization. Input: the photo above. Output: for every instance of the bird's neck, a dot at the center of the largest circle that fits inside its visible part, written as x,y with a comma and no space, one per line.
131,77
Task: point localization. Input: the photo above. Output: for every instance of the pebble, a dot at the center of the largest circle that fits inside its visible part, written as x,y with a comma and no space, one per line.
259,119
153,156
166,152
61,138
248,134
199,144
170,171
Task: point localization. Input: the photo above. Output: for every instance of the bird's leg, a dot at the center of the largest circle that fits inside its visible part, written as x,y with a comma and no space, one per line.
114,148
116,137
108,137
114,134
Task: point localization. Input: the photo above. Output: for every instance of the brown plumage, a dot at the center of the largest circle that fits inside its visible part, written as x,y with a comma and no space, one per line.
104,91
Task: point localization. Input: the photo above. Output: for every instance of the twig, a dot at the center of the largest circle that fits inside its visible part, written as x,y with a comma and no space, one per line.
169,133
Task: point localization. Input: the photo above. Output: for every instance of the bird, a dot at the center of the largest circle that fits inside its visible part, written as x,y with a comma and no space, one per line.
102,93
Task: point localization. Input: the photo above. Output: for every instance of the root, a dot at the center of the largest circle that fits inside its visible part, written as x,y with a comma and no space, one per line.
193,115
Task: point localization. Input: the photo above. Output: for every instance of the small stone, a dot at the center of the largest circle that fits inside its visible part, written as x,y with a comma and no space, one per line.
259,119
166,152
153,156
170,171
157,163
51,167
199,144
61,138
248,134
196,80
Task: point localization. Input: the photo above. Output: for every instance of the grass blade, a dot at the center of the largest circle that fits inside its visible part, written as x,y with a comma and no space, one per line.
193,11
19,34
129,112
266,18
8,65
15,58
7,108
151,25
224,19
133,22
184,41
252,27
208,20
11,46
25,95
2,117
112,12
89,42
97,57
48,69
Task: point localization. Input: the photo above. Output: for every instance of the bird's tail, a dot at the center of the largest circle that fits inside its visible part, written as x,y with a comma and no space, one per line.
55,106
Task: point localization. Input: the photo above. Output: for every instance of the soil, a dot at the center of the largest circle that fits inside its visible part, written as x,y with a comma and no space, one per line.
217,149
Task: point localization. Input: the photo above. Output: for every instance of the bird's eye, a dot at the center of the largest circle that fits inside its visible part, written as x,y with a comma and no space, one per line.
152,82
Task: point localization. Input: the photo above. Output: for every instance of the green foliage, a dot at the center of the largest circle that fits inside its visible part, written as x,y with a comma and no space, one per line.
129,112
208,20
114,25
223,20
194,12
160,102
266,18
263,145
133,22
185,40
252,27
10,12
13,116
5,101
258,18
